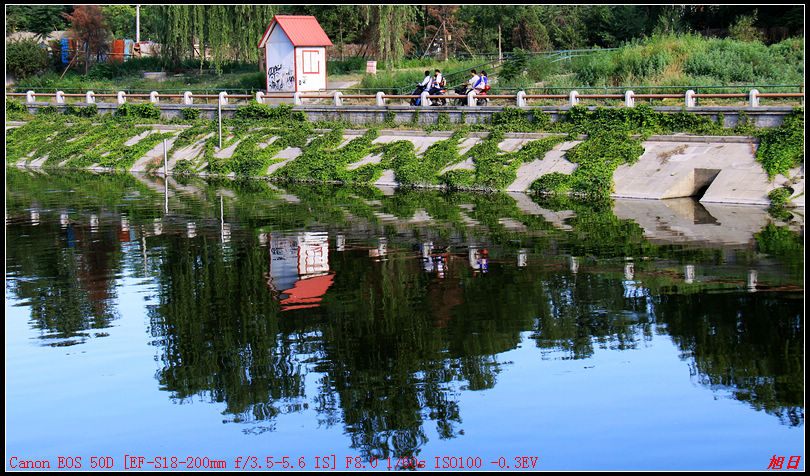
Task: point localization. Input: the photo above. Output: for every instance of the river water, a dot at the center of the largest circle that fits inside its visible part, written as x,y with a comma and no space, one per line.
223,325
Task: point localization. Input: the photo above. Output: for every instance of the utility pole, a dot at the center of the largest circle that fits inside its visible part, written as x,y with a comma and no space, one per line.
444,26
137,23
500,56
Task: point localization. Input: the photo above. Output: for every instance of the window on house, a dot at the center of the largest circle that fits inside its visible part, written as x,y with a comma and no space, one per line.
310,59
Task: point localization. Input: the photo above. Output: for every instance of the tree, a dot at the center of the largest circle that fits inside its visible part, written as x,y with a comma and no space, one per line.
89,30
25,58
120,20
389,25
228,32
39,19
530,34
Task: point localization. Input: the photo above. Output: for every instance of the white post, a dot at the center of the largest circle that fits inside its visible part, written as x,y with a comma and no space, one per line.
753,98
572,98
297,101
423,99
219,117
338,100
187,99
259,95
165,160
60,97
521,99
137,23
689,274
153,96
471,98
380,98
122,98
629,99
223,97
690,98
30,97
89,97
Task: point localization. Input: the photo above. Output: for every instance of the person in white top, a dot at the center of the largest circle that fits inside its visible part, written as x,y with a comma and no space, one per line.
475,82
427,81
436,85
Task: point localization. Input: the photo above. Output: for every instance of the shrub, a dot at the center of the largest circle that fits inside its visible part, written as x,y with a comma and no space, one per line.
144,111
87,111
25,58
15,106
191,114
782,149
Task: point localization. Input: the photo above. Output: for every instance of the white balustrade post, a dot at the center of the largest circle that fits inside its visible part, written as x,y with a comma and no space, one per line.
380,98
29,96
753,98
338,100
122,98
187,99
90,97
573,98
60,97
521,99
223,97
629,99
690,98
471,98
153,97
259,95
423,99
297,98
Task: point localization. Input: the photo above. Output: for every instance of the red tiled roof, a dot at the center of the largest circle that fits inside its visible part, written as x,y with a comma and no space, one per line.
302,30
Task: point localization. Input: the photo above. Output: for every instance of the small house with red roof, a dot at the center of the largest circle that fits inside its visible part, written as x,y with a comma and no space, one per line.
295,54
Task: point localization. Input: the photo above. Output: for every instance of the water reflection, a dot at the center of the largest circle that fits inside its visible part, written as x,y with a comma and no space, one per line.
396,314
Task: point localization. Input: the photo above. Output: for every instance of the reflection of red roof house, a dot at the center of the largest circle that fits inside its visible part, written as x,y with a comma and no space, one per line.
306,292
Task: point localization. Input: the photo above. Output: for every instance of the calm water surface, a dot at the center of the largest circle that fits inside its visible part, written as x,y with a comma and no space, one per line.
217,324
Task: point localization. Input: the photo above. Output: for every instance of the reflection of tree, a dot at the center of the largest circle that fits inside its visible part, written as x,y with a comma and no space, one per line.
585,310
58,305
750,343
218,327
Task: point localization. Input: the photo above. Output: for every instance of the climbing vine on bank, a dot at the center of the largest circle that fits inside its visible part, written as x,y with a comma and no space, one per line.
609,137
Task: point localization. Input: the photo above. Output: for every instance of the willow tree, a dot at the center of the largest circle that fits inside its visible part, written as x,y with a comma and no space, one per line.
220,32
389,26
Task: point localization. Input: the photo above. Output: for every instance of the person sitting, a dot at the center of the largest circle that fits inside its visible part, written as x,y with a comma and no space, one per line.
475,82
425,84
437,85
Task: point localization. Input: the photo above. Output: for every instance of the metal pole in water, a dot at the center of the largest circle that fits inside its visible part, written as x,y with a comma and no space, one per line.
165,160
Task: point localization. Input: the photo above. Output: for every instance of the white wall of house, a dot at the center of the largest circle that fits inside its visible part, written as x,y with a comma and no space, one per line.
311,68
279,62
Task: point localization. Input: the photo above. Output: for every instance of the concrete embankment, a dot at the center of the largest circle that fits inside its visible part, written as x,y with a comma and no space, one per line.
713,169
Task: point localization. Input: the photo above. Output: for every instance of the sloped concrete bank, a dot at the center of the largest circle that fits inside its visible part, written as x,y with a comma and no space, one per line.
713,169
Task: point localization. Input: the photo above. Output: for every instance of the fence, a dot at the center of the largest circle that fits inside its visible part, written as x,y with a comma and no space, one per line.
520,99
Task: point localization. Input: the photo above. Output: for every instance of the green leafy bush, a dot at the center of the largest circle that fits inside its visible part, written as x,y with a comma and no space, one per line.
25,58
782,149
191,114
143,111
